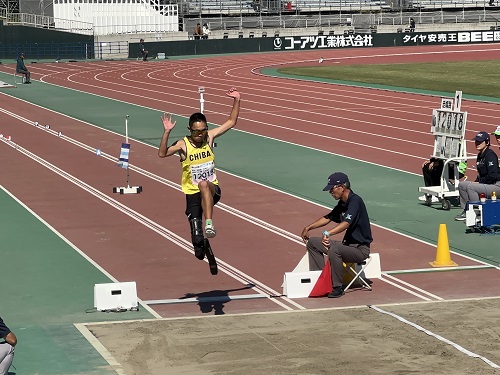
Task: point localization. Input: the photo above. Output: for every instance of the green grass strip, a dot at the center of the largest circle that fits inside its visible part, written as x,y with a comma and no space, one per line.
475,78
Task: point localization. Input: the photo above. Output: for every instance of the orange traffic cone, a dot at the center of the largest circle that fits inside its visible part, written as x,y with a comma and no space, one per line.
443,257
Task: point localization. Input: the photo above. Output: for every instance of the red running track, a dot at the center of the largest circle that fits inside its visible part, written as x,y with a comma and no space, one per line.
367,124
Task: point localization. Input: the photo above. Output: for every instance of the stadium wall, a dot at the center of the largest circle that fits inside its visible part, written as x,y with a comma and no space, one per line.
318,42
43,43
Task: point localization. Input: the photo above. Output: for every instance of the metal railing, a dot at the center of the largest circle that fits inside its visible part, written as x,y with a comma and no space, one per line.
343,19
47,22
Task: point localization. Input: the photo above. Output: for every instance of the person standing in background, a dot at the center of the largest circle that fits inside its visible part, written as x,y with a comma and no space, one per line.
412,25
198,32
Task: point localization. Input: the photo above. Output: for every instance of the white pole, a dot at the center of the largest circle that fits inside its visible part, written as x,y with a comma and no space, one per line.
126,129
201,90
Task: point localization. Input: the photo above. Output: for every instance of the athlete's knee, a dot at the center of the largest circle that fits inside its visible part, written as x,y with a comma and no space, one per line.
203,185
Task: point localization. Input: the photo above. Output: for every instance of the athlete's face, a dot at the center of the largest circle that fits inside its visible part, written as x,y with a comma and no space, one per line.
198,131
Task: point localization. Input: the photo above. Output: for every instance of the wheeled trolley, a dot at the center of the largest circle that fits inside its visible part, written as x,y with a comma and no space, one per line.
449,184
448,128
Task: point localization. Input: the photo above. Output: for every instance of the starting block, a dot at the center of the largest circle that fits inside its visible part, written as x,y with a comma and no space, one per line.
115,296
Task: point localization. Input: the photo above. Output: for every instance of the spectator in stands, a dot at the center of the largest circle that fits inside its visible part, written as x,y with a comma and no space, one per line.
412,25
488,179
206,31
198,32
6,347
21,68
143,51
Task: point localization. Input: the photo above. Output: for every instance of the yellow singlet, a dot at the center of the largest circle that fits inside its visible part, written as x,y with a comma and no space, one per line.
199,165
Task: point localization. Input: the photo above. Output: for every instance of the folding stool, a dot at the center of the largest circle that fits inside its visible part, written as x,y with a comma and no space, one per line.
23,77
357,273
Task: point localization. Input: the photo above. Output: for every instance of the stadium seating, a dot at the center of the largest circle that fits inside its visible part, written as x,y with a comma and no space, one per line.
273,6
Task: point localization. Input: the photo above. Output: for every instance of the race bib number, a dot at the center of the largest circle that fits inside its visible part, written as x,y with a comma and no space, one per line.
203,172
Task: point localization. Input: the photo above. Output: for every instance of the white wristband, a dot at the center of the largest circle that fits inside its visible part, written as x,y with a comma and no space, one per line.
325,233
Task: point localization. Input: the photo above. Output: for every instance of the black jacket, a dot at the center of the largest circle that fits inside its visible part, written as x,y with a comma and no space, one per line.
20,65
487,167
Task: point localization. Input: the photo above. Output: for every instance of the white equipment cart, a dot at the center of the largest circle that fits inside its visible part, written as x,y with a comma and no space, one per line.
448,128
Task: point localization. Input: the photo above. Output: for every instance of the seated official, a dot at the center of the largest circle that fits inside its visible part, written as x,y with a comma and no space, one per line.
351,218
143,51
488,179
21,68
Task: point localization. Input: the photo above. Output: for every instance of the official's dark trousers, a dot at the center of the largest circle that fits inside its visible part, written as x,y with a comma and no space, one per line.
338,253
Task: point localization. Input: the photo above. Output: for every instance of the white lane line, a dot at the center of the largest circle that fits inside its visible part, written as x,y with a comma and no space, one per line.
396,280
405,289
440,338
228,268
85,256
101,349
171,236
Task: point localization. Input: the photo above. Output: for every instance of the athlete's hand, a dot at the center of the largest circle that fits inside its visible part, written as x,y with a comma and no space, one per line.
233,93
167,121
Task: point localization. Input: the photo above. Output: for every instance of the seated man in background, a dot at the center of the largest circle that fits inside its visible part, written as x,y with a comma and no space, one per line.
143,51
21,68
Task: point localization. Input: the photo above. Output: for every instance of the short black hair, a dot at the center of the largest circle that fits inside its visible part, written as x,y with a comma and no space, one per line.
196,117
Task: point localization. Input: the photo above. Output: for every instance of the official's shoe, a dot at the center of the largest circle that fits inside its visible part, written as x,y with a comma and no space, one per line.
210,230
337,292
368,281
460,217
27,82
423,198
